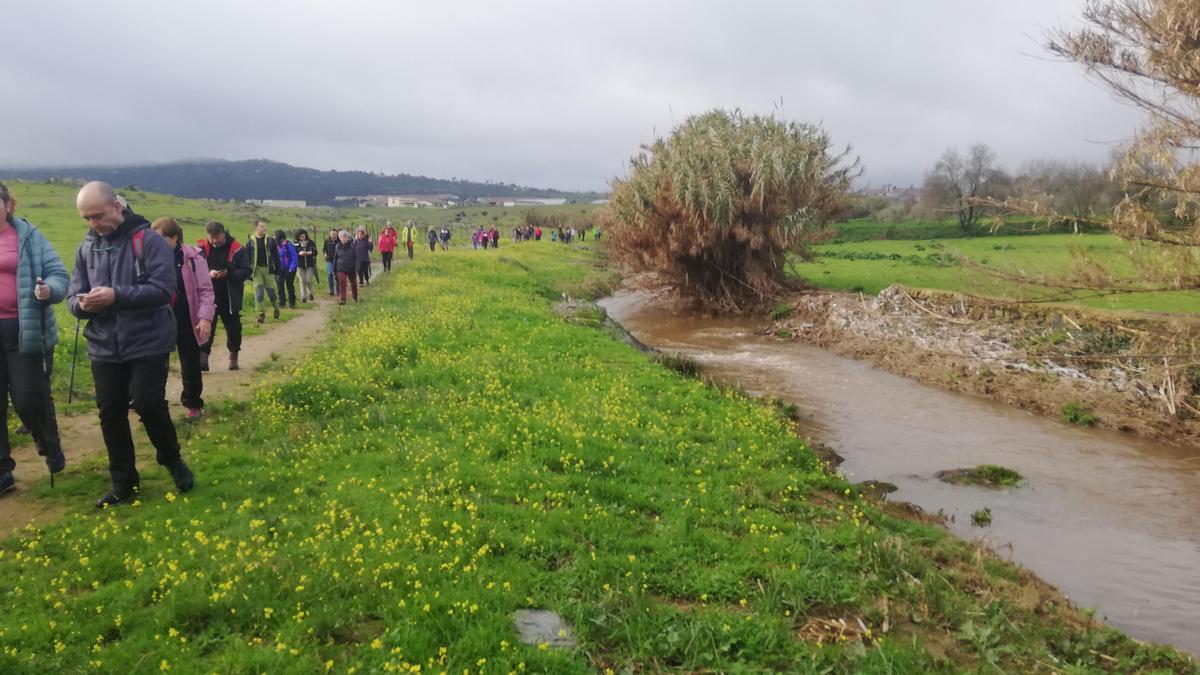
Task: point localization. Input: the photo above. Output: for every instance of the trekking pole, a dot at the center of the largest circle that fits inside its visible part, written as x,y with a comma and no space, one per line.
74,354
45,363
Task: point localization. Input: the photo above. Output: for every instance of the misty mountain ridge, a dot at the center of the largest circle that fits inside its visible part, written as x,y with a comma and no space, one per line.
266,179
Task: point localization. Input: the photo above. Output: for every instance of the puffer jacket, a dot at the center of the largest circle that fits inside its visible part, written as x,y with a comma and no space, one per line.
139,323
36,258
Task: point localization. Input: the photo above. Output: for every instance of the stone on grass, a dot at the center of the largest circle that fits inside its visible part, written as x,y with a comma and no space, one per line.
537,626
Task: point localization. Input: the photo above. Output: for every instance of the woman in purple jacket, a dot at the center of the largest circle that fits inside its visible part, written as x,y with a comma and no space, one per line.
194,310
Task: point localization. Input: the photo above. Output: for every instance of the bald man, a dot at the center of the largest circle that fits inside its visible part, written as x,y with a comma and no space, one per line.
123,284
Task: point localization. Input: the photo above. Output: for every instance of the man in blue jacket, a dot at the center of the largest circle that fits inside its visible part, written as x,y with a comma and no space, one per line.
123,284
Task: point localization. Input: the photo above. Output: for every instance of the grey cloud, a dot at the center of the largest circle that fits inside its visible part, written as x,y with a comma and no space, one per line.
537,92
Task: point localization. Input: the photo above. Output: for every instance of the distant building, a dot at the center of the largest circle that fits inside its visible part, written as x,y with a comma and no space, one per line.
422,201
520,201
282,203
893,192
399,201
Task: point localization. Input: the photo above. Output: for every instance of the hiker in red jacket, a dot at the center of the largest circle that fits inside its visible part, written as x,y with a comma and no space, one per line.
386,245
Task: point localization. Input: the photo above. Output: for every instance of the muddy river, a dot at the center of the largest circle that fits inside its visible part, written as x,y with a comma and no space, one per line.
1112,520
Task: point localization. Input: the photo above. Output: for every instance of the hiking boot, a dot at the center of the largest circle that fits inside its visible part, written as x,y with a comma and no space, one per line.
23,430
7,482
116,497
262,318
56,461
184,480
233,364
193,414
204,362
292,305
276,312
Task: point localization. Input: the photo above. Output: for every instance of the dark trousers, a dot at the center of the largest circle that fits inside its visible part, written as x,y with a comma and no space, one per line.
364,272
387,260
26,379
345,278
286,281
189,357
142,383
231,319
410,249
331,277
433,245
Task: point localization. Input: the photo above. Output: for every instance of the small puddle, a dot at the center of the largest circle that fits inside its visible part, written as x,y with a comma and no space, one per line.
1112,520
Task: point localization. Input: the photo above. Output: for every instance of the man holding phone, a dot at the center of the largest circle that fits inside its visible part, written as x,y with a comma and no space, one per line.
123,284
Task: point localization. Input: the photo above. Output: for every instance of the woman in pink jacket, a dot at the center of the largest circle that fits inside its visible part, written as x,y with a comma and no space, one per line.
387,244
194,309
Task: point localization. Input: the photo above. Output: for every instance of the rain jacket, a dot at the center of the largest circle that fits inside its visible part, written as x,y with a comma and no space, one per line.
288,260
197,288
139,323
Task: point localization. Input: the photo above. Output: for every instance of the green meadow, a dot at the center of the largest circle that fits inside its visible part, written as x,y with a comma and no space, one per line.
986,266
456,452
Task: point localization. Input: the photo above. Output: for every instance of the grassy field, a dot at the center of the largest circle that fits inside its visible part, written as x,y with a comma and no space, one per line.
455,453
870,266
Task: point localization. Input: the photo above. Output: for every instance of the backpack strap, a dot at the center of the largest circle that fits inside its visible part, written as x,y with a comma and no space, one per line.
138,244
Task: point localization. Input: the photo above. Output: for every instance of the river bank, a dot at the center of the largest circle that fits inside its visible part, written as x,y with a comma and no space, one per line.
1104,516
1128,372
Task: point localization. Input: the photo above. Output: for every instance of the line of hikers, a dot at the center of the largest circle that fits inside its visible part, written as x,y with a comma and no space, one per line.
143,294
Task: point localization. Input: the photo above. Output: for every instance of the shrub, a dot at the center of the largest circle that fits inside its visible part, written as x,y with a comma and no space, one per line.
782,311
715,207
1077,413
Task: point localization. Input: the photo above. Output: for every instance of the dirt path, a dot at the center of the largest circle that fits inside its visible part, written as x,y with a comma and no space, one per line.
80,433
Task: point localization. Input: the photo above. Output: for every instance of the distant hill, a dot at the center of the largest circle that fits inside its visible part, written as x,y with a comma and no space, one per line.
265,179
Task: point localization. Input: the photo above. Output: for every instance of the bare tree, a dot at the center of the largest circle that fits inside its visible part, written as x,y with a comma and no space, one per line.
956,183
1146,52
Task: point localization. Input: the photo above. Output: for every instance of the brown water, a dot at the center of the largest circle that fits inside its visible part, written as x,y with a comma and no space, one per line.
1111,520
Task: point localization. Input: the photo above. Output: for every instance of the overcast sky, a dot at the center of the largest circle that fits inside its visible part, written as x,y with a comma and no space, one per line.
550,94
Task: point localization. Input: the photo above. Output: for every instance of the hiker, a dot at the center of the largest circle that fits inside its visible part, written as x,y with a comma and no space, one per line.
433,239
329,249
597,237
474,240
194,309
494,237
264,261
289,261
362,255
32,278
387,245
306,251
445,237
228,269
122,283
344,263
409,235
537,233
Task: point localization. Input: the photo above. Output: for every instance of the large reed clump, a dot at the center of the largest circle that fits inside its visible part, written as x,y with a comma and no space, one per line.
716,206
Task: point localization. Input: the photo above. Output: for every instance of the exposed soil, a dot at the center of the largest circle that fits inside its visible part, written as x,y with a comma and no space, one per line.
280,344
1040,359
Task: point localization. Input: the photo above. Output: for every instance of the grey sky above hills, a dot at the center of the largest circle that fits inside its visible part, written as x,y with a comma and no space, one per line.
536,93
